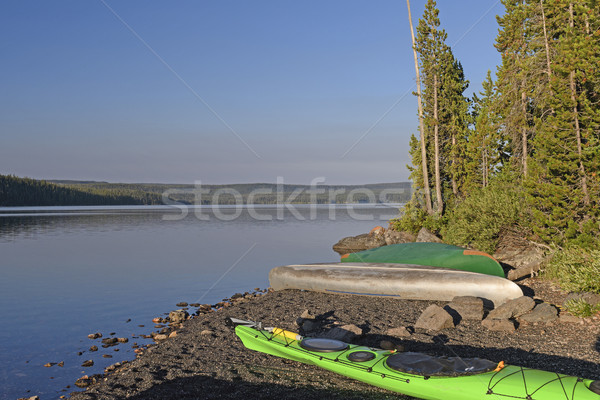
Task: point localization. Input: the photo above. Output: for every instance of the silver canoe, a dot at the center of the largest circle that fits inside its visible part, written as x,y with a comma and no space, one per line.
405,281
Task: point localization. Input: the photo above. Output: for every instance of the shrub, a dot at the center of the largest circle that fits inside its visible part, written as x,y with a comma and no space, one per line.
479,220
576,269
412,218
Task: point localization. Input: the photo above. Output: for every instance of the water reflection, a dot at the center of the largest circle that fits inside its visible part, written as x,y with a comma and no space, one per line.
68,274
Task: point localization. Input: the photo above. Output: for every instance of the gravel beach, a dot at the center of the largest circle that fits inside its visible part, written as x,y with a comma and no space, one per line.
206,360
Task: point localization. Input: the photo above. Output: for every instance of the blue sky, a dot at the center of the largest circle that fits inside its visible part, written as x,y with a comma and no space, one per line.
219,91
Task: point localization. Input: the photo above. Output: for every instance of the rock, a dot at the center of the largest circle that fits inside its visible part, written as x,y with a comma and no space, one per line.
178,316
345,333
106,356
568,318
307,315
543,312
94,348
172,334
110,340
61,364
515,250
512,308
84,381
50,364
467,307
88,363
94,335
207,332
181,304
394,237
353,244
426,236
502,325
434,318
157,320
590,298
160,336
398,332
122,340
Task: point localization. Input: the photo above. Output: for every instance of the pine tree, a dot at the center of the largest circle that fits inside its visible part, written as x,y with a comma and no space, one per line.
433,51
423,182
565,191
484,147
454,121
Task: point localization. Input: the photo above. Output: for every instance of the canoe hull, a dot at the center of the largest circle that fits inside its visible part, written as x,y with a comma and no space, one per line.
405,281
434,254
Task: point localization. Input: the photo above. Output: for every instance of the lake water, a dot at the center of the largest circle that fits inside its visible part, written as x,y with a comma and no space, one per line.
67,272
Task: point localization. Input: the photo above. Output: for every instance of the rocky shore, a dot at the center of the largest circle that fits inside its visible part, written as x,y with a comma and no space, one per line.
201,357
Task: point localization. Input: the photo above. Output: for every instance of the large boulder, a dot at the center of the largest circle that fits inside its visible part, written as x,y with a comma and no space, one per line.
427,236
434,318
512,308
515,250
543,312
394,237
499,325
467,307
354,244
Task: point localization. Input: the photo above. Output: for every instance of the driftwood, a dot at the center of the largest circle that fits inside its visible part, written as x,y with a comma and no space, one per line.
530,269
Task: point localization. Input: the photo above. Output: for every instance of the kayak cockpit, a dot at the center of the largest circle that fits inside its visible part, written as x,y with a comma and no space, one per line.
426,365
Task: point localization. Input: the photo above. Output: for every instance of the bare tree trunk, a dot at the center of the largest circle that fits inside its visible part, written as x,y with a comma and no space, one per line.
426,187
584,188
549,71
524,134
485,167
454,183
438,180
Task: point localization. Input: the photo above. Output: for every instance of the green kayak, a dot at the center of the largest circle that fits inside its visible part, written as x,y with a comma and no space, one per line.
417,374
431,254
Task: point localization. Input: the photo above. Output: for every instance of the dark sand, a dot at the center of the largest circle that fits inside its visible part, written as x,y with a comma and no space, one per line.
197,364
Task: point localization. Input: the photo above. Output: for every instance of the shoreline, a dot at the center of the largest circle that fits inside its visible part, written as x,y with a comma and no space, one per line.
205,359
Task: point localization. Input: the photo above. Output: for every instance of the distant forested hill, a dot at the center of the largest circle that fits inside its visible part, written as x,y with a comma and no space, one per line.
15,191
261,193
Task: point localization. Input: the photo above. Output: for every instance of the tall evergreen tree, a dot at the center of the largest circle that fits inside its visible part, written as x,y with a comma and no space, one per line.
423,182
483,151
565,189
433,51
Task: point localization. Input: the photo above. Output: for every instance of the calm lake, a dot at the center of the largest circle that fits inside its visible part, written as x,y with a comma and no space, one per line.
71,271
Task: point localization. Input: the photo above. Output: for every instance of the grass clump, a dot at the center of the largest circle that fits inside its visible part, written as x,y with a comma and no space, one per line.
576,269
581,308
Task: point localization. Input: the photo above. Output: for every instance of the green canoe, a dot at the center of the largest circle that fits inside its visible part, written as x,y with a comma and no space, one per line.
432,254
419,375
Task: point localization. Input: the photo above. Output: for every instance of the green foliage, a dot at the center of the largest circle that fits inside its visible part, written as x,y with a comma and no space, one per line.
576,269
581,308
412,218
15,191
479,220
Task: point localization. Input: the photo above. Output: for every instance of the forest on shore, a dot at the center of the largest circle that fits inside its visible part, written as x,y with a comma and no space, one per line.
16,191
522,157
